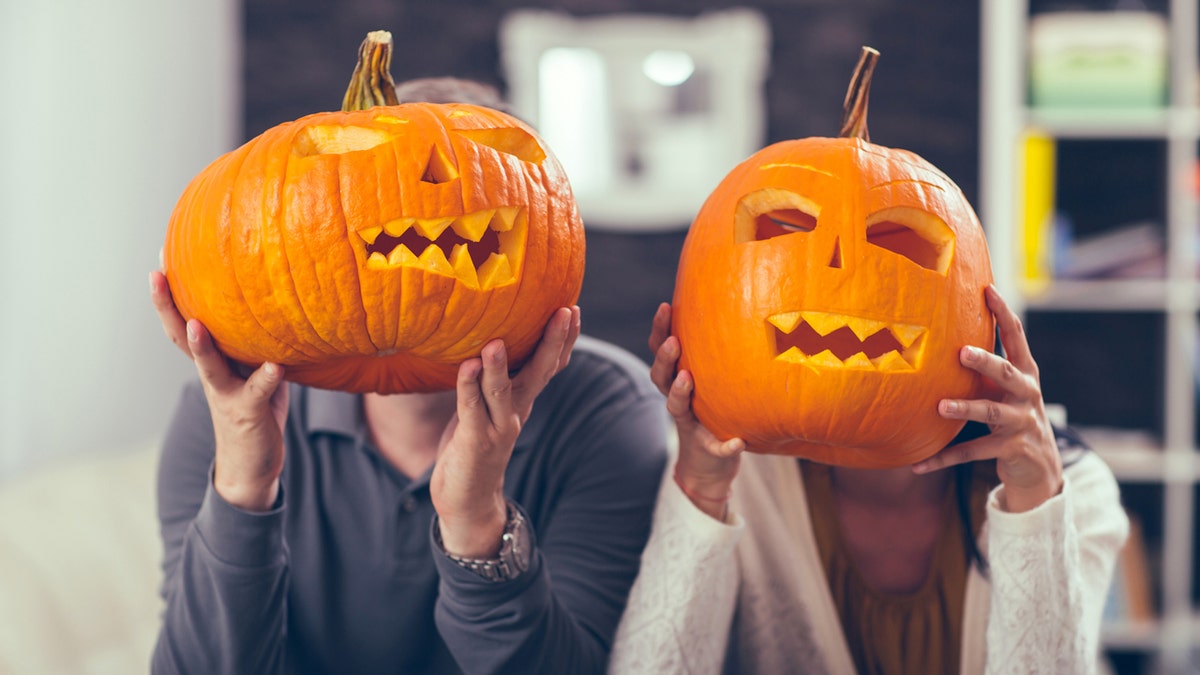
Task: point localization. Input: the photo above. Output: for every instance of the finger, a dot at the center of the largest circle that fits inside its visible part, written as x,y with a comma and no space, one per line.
1012,333
496,386
679,397
210,363
1000,371
992,413
544,363
164,305
471,408
573,334
264,381
662,371
660,327
962,453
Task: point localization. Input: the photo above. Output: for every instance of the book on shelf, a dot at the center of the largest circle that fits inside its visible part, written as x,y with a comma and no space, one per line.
1038,152
1131,251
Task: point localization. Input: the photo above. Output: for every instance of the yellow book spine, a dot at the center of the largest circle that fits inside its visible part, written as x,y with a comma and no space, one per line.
1037,217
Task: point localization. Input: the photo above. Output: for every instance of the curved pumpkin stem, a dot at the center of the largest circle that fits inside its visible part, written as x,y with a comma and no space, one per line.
854,109
371,84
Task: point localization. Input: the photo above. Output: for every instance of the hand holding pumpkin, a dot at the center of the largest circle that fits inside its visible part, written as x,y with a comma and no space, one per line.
706,466
1021,439
248,412
468,478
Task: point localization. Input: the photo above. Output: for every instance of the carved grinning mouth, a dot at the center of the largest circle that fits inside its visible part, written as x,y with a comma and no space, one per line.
828,340
485,247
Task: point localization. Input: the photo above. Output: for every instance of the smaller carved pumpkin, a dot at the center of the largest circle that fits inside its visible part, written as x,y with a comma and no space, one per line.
375,249
823,294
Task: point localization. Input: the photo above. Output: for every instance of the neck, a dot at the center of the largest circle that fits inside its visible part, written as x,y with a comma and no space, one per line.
889,487
408,428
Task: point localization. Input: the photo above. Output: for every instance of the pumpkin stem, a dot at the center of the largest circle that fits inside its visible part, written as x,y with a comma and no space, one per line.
371,84
854,109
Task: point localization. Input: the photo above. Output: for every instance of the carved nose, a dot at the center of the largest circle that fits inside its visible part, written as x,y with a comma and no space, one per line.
835,260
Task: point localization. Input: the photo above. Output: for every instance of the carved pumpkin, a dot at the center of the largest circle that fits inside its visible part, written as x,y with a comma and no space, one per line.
375,249
823,294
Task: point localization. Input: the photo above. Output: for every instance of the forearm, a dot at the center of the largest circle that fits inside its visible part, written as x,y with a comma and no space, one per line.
1051,568
686,590
225,594
511,626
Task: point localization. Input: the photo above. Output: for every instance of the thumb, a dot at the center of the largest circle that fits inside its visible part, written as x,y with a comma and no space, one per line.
263,382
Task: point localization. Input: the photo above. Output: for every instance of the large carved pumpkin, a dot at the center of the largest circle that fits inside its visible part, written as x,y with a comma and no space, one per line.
823,294
375,249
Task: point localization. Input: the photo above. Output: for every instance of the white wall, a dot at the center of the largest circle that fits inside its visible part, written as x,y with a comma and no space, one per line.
108,109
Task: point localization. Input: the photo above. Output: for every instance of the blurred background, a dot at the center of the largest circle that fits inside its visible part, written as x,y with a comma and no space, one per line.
112,107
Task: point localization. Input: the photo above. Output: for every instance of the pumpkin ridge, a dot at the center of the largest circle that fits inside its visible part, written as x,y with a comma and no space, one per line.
299,345
297,255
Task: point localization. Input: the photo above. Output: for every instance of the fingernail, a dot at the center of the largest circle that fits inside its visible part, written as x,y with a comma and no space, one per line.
920,467
972,354
191,332
950,406
681,383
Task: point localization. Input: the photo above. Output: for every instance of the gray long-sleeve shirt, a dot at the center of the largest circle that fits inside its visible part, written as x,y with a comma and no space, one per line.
343,577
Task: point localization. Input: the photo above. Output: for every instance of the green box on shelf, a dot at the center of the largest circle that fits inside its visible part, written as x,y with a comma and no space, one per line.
1114,59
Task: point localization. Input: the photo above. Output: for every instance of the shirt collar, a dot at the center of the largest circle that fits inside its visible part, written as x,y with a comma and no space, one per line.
333,412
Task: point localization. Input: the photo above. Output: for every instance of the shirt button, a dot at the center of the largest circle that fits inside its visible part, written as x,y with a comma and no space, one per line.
410,504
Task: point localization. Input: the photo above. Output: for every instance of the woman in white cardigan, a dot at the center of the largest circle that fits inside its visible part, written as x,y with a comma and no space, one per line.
768,564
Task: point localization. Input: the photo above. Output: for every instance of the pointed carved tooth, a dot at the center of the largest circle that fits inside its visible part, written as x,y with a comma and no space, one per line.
506,217
495,271
786,321
464,267
432,228
825,358
472,225
891,362
398,226
403,256
370,234
907,334
864,328
377,261
859,360
792,355
823,322
434,260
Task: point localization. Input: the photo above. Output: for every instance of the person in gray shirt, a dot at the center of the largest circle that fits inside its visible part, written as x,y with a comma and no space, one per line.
493,528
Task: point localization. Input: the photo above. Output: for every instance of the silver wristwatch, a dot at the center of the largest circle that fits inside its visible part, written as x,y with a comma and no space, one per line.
514,550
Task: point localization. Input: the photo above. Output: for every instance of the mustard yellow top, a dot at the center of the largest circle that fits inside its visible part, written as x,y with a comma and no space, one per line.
918,632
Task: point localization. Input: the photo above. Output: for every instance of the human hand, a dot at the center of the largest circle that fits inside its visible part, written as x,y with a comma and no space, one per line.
706,466
467,484
1021,439
248,413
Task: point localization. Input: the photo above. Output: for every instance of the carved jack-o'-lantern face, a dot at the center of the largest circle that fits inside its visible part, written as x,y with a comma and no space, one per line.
824,292
374,250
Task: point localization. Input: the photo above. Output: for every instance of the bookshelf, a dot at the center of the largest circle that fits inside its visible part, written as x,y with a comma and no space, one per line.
1154,456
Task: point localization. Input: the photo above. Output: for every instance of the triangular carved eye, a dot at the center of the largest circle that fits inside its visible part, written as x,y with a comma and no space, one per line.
511,141
917,235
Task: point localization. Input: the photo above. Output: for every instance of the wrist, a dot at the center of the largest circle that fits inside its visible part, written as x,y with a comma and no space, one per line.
476,535
1022,499
256,498
710,496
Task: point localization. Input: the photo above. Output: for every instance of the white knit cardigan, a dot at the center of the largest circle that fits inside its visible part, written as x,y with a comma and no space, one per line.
751,596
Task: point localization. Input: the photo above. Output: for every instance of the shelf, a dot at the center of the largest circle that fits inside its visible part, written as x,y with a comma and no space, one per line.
1132,635
1110,122
1130,295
